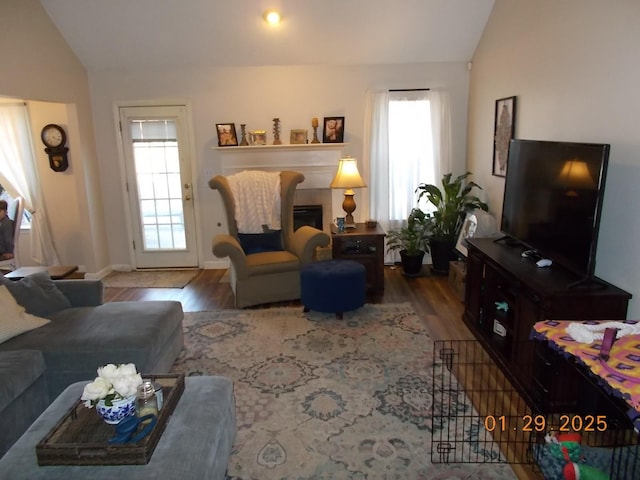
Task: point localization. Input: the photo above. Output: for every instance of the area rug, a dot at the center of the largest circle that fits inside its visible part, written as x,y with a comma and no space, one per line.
150,279
322,398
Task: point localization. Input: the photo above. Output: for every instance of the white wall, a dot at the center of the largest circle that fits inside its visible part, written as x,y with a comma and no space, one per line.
574,67
255,95
58,188
38,65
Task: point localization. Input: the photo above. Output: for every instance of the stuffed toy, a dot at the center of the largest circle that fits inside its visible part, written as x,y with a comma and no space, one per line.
568,446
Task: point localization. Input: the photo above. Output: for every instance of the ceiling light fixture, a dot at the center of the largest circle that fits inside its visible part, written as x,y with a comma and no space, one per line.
272,17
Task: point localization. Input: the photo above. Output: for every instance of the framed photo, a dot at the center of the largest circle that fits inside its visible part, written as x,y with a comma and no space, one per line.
333,130
227,135
467,230
298,137
503,132
258,137
477,223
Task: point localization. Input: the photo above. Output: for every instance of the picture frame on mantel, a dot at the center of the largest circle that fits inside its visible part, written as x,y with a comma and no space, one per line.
227,135
298,137
333,131
503,132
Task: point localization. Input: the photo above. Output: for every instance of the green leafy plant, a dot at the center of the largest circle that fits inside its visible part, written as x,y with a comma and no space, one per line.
413,236
451,202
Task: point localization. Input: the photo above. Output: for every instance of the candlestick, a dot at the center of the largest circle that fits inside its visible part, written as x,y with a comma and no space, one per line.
314,124
276,132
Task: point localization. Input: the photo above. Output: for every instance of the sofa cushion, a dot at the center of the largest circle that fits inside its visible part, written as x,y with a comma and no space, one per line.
14,320
38,294
18,370
79,340
23,394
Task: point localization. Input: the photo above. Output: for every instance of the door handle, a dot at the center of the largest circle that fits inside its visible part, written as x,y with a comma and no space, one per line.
187,186
188,197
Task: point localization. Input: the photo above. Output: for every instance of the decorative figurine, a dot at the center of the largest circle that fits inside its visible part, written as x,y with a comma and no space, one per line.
314,124
276,132
243,141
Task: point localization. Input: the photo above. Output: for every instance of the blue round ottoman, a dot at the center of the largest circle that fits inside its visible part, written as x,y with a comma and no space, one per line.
333,286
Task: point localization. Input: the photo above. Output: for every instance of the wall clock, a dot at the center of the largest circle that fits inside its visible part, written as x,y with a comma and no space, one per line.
54,138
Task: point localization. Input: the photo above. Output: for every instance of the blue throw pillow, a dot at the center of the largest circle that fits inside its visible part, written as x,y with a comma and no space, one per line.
38,294
261,242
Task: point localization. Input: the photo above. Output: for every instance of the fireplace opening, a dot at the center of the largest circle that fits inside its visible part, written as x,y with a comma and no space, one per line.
307,215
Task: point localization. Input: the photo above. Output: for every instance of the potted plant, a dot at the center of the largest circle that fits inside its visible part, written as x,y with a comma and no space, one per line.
451,202
411,240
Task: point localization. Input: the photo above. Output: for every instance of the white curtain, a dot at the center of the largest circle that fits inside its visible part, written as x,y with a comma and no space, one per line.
18,175
441,128
394,175
376,155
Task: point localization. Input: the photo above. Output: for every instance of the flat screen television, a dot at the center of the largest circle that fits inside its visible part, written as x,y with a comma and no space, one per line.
553,200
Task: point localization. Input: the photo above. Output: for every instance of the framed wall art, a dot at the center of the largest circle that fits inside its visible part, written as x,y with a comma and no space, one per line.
333,130
503,132
227,135
298,137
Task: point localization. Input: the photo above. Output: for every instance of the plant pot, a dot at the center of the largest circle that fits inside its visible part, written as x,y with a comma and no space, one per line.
120,409
411,264
441,255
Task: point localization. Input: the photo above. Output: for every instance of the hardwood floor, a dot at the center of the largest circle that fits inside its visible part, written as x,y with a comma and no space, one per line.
430,296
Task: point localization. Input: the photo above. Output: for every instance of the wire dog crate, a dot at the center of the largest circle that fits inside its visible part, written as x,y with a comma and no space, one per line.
604,444
478,416
608,429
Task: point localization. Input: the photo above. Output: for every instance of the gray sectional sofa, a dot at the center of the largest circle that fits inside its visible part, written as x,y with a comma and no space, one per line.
84,333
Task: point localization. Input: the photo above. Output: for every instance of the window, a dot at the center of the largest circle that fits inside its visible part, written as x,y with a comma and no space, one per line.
410,150
26,216
14,133
407,142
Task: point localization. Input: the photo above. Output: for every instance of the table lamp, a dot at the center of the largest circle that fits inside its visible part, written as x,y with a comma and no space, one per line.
348,178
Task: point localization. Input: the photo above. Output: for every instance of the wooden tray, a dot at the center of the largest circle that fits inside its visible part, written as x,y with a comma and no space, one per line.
80,437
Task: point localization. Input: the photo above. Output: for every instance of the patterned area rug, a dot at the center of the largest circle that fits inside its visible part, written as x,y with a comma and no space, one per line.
150,279
323,398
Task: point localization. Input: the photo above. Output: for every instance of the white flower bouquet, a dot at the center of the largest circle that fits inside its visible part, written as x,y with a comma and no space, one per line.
112,383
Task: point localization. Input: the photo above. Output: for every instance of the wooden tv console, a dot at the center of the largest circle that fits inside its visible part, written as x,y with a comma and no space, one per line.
506,294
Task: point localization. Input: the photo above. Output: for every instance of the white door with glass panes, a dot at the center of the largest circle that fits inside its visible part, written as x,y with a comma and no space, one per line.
157,158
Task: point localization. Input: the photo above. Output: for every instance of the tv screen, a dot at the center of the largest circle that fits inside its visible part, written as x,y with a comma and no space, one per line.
553,199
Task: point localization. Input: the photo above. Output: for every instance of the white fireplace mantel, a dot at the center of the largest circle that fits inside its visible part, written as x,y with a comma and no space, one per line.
317,162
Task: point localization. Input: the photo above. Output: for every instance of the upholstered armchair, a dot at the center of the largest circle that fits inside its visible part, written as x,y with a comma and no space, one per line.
267,276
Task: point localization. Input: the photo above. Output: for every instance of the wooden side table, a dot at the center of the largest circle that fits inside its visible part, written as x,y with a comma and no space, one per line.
365,246
56,272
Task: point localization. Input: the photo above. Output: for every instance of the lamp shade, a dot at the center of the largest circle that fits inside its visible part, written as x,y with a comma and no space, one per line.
575,175
348,175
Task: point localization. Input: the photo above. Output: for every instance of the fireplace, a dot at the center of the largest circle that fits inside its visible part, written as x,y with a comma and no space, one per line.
307,215
317,162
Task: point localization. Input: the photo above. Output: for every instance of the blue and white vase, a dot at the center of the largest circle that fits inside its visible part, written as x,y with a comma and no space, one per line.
119,409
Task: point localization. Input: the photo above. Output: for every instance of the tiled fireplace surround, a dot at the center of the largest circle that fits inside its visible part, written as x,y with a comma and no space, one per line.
318,163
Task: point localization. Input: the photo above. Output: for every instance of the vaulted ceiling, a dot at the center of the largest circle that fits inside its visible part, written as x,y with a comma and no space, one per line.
129,35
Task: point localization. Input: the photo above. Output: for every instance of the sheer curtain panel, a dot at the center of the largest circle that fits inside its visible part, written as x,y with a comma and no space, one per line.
19,176
407,142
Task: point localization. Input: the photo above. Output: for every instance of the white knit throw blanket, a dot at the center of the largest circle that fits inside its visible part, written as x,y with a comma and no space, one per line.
590,333
257,199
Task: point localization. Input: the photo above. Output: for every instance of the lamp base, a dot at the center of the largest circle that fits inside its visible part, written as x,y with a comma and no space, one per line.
349,206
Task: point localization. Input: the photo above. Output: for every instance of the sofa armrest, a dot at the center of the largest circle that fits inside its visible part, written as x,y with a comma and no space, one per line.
305,240
225,245
82,293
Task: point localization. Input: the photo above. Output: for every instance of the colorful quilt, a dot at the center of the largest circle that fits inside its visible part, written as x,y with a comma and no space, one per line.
618,373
